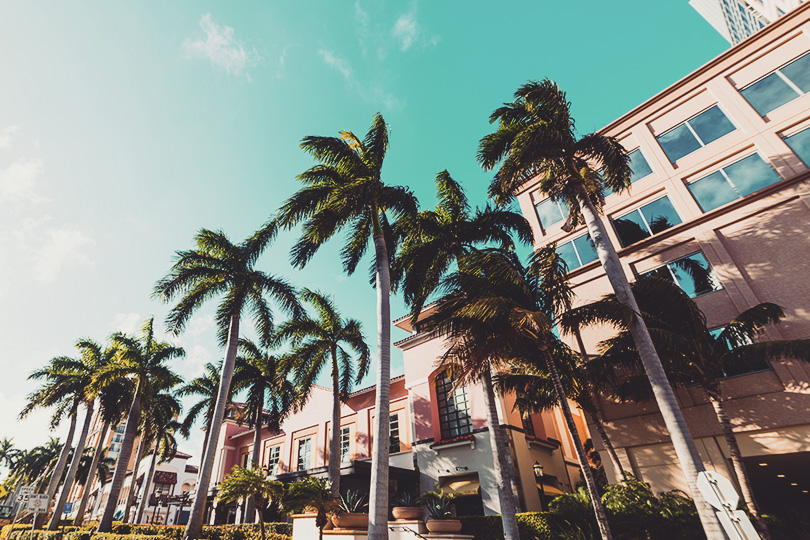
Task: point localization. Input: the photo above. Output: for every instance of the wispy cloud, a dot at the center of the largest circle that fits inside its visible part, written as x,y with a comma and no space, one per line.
406,31
337,63
282,58
371,93
18,181
129,323
7,136
64,245
221,48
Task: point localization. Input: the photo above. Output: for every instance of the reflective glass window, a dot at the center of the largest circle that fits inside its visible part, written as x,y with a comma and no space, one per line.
761,364
454,406
737,180
782,86
692,273
550,213
711,125
578,252
696,132
646,221
304,454
798,72
638,165
393,434
800,144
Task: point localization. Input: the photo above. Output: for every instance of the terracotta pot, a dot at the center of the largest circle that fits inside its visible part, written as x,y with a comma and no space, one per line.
350,521
408,513
444,525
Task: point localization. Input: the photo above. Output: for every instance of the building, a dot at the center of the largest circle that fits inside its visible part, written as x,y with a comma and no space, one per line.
735,20
438,434
721,180
169,493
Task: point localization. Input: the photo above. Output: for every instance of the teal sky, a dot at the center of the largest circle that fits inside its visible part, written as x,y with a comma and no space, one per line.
124,128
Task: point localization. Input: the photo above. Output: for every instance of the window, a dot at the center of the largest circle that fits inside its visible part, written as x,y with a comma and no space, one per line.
646,221
695,133
578,252
454,408
246,459
550,212
304,451
273,458
733,182
800,144
780,87
528,426
692,273
345,442
732,371
639,168
393,434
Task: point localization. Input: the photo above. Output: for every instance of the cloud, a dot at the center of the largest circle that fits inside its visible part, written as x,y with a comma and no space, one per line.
18,181
406,31
281,62
7,136
60,246
128,323
335,62
221,48
371,93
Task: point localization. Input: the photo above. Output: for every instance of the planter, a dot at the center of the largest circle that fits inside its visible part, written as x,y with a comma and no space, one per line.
350,521
444,525
408,513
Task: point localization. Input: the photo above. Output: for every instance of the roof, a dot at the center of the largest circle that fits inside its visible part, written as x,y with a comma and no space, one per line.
192,469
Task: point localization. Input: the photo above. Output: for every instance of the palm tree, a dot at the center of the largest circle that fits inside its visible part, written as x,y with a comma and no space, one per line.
326,341
258,371
438,238
206,387
345,190
143,361
34,466
101,470
496,310
7,452
159,428
694,354
313,494
536,138
218,267
250,483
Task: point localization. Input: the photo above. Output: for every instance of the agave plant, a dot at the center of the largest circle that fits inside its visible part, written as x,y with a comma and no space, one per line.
406,498
438,503
353,502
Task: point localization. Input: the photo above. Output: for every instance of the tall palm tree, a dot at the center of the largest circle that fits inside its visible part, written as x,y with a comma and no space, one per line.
159,429
206,388
536,138
218,267
250,483
693,354
89,472
271,397
345,190
438,238
34,466
497,310
142,360
326,341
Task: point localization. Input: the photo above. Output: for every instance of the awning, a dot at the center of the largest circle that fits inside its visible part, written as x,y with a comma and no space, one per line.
165,477
464,484
551,490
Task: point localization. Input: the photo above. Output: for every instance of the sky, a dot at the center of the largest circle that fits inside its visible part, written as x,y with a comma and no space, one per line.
127,127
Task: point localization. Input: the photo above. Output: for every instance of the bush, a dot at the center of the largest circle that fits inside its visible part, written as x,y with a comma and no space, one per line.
115,536
531,525
77,535
7,529
35,535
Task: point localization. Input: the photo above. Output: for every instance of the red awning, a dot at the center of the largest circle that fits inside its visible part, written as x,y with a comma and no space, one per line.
165,477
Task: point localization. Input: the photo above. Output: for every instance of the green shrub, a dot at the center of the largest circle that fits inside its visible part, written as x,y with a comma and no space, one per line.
117,536
77,535
7,529
531,525
35,535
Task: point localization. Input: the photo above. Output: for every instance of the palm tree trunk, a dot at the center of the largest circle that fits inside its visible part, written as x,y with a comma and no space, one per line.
56,476
130,430
261,521
498,445
378,503
582,459
194,527
147,485
250,510
334,443
91,476
74,466
133,483
603,436
738,465
682,440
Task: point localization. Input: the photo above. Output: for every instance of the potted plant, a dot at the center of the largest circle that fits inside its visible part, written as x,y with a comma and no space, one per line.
438,504
350,513
407,507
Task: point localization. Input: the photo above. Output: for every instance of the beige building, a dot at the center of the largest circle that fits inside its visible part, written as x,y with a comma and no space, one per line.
721,178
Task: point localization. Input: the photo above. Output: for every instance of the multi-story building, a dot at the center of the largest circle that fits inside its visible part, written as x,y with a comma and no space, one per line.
721,181
169,491
735,20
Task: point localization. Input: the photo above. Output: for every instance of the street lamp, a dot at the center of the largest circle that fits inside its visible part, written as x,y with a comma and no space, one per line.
541,490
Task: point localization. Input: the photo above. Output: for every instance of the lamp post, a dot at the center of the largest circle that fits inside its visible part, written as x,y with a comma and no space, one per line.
538,475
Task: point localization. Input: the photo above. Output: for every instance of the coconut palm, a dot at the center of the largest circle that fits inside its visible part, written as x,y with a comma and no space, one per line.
7,452
536,138
142,360
270,396
437,238
693,354
327,341
218,267
33,467
345,190
313,495
206,388
250,483
497,310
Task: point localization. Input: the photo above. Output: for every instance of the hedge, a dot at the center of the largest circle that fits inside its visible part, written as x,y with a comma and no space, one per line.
531,525
126,531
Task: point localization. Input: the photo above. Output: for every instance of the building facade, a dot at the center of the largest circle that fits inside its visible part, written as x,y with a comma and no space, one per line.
720,181
735,20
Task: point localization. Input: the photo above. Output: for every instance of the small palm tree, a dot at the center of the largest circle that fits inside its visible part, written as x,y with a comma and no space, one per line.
206,388
345,190
321,342
7,452
536,138
693,354
250,483
35,466
313,494
220,268
258,371
142,360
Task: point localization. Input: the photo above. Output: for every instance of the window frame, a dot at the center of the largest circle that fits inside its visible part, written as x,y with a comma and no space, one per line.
778,72
764,359
644,219
675,278
560,207
694,133
272,468
444,391
393,432
345,437
729,181
301,441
